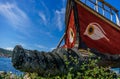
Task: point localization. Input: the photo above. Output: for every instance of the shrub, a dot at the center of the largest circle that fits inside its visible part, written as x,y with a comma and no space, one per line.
88,70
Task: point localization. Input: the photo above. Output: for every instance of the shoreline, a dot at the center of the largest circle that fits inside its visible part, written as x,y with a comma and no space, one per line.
9,75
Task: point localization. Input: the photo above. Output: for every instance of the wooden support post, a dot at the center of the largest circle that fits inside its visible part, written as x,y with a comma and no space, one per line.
96,5
103,9
62,38
111,15
117,19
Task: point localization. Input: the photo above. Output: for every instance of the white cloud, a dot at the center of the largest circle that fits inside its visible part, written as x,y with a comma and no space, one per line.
59,16
45,7
52,48
15,16
9,48
41,47
44,13
43,17
52,19
55,20
44,48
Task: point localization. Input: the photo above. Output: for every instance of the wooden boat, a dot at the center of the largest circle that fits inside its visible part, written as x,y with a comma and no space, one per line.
93,24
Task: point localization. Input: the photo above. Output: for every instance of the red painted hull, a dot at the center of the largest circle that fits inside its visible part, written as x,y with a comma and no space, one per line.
96,31
70,26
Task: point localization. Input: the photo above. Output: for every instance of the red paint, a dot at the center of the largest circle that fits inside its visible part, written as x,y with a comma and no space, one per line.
102,45
71,25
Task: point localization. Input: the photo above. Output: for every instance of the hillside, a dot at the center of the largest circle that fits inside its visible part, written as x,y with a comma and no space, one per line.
5,53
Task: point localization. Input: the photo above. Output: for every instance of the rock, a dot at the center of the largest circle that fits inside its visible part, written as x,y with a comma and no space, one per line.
3,73
53,63
27,76
12,76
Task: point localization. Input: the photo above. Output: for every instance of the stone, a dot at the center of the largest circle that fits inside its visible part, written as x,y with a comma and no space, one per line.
53,63
3,73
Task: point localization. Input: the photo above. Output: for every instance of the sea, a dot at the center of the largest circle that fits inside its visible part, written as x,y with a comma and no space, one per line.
6,65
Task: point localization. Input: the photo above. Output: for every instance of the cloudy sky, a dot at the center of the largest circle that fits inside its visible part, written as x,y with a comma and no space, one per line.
34,24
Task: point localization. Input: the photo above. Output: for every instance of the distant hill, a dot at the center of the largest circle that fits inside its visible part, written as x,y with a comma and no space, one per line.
5,53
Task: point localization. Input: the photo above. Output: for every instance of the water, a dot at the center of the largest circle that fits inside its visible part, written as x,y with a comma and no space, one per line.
6,65
116,70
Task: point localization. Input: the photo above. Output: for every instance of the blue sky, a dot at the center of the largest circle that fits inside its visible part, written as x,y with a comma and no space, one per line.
34,24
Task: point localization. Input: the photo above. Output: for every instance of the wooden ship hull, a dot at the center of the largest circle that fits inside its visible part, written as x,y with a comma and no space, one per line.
91,27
